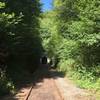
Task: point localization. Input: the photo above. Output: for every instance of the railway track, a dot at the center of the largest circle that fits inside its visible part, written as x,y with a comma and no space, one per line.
44,89
51,85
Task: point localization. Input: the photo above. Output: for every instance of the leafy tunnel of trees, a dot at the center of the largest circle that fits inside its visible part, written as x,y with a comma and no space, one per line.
70,34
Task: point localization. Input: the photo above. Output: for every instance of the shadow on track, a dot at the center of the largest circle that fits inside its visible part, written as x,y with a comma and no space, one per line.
44,71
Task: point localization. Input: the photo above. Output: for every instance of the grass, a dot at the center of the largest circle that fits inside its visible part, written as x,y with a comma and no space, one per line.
83,78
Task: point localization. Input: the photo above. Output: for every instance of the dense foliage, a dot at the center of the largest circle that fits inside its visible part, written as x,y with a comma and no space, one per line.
73,36
20,42
70,34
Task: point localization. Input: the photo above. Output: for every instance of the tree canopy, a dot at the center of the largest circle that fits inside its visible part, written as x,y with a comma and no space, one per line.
19,38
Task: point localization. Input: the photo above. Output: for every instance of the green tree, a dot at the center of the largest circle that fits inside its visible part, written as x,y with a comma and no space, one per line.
24,40
79,21
19,38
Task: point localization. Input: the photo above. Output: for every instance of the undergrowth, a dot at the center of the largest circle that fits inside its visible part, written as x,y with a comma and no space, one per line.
6,85
88,78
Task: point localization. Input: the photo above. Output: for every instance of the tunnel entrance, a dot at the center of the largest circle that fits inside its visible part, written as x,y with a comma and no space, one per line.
44,60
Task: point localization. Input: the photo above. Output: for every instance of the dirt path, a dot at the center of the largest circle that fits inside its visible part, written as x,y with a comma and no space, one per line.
51,85
70,91
45,90
45,87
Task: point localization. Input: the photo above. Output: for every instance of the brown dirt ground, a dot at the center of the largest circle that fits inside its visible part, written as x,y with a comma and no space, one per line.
51,85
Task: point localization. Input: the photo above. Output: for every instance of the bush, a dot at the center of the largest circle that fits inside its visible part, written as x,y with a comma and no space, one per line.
6,86
67,49
66,65
84,77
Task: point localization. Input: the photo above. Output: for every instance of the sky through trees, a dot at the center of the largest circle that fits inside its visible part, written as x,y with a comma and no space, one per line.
47,5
